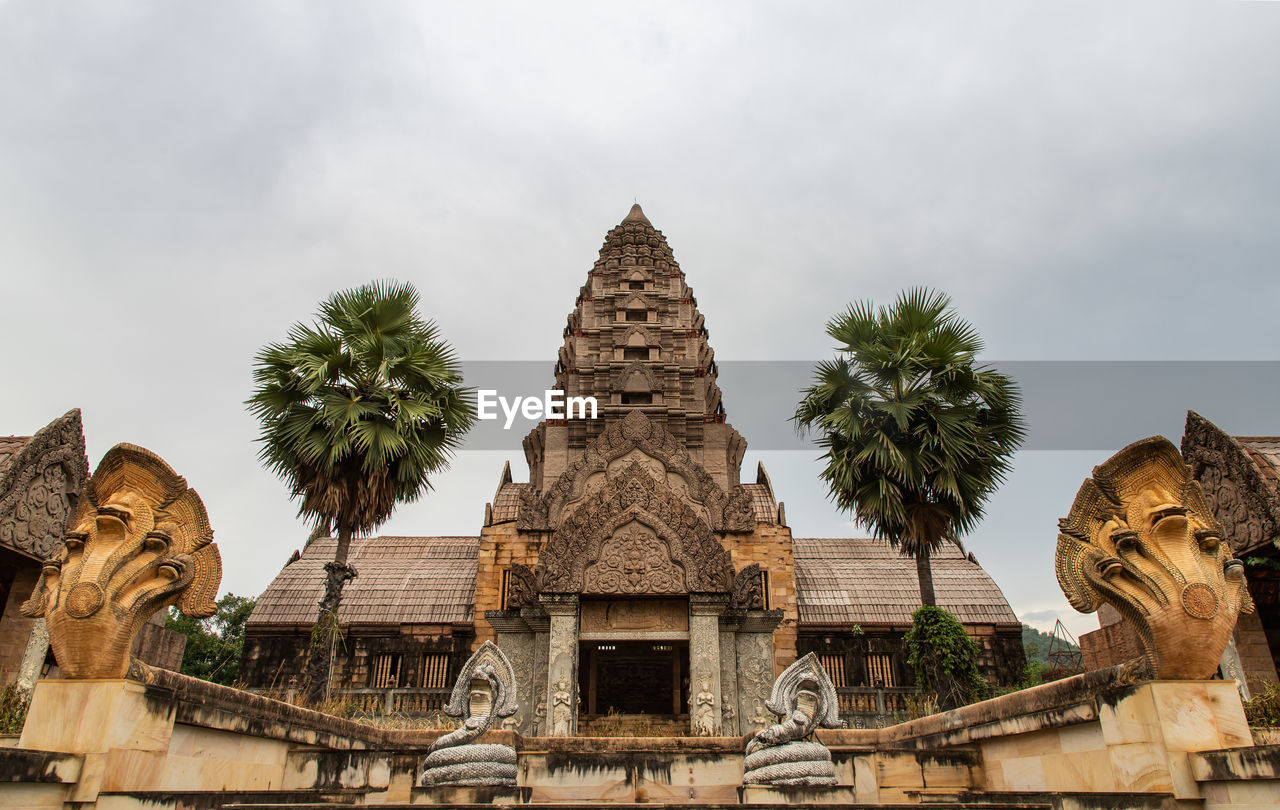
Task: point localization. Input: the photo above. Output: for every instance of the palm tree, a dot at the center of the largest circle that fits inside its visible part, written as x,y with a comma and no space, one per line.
916,436
358,410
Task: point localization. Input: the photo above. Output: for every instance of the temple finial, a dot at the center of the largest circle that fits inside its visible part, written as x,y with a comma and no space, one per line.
637,215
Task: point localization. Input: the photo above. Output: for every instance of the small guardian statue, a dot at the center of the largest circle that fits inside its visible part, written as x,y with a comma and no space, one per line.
485,690
785,753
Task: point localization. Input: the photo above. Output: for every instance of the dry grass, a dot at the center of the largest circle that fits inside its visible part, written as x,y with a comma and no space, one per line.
1263,709
631,725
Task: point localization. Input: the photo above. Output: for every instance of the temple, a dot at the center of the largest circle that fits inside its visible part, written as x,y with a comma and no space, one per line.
635,573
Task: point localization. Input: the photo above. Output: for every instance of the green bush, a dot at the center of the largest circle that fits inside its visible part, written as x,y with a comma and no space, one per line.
944,658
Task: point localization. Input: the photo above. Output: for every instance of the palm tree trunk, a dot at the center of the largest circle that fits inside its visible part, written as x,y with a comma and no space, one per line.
925,573
324,636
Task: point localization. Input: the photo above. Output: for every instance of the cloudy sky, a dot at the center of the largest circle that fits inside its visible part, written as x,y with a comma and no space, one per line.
1089,181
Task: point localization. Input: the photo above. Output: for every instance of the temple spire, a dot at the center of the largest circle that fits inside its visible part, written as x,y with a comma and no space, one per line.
635,341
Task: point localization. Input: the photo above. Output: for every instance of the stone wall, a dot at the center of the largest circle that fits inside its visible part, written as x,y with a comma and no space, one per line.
1097,740
15,629
501,547
770,547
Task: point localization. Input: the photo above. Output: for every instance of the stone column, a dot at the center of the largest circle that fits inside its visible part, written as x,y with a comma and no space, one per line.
704,663
516,639
562,664
755,668
33,658
729,680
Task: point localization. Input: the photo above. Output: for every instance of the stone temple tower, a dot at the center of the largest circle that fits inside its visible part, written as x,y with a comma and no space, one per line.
634,573
636,341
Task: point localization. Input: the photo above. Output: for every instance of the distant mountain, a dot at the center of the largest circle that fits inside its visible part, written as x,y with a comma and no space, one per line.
1037,643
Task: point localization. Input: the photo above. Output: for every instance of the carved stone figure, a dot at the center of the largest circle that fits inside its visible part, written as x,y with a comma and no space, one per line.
140,541
747,591
759,719
704,707
562,701
1142,537
634,561
727,712
485,690
803,698
522,588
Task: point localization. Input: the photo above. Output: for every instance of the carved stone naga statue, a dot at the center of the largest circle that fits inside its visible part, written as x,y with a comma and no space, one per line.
485,689
140,541
804,698
1141,536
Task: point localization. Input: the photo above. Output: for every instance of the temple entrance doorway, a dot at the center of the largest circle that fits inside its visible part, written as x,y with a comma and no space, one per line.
635,678
633,665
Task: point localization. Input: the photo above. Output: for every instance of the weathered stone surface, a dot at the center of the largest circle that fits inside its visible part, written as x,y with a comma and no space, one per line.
39,484
755,680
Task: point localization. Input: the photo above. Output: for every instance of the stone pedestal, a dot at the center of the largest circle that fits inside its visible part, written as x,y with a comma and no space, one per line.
95,716
704,663
562,664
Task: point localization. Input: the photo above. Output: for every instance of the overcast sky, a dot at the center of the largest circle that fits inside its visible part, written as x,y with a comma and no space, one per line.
179,182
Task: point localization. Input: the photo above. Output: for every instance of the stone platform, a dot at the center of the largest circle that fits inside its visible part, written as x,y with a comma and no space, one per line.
1093,741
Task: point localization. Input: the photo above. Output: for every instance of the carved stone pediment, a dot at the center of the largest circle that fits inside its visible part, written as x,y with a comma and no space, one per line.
634,535
1246,506
636,432
39,487
623,377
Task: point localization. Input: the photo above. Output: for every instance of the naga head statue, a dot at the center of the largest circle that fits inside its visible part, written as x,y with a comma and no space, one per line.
140,541
1141,537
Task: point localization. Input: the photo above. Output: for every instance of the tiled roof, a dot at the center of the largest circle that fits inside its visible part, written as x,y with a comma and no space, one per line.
402,580
762,503
1265,452
506,504
9,447
857,580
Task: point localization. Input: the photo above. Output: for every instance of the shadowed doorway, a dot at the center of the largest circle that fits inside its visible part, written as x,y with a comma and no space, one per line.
635,677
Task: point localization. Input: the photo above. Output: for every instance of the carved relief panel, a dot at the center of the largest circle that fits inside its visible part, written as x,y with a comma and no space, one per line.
631,616
634,561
